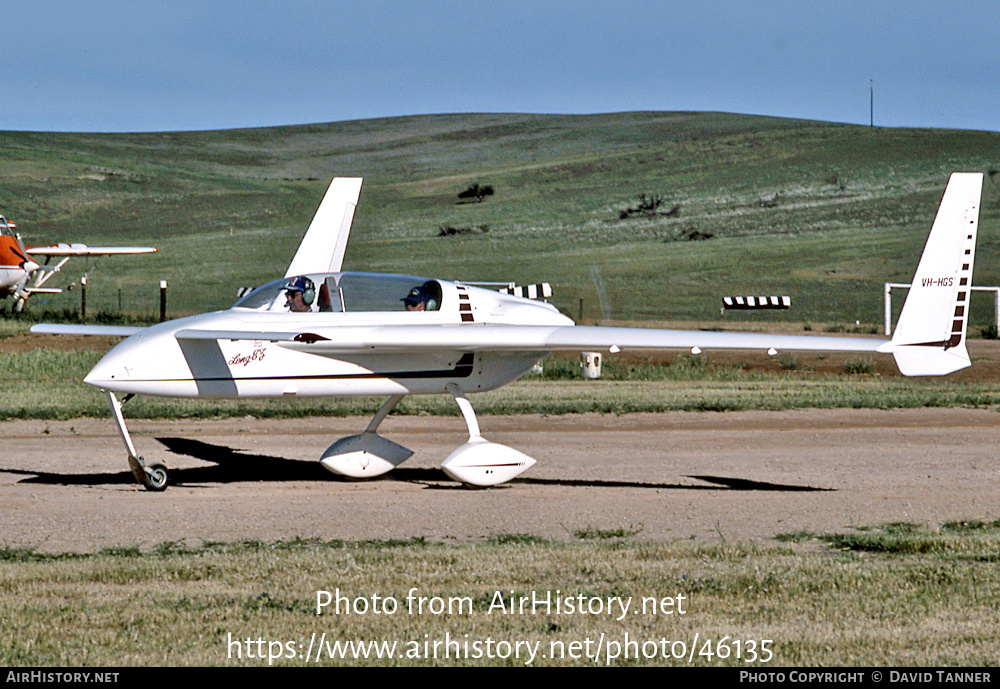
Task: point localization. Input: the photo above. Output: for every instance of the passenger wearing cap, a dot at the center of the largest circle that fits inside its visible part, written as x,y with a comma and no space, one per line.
299,294
416,299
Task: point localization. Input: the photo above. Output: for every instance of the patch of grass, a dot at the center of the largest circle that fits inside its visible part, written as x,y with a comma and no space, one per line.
183,604
684,367
174,548
594,533
557,368
954,540
43,314
9,554
973,526
859,366
788,362
796,537
122,551
516,539
46,365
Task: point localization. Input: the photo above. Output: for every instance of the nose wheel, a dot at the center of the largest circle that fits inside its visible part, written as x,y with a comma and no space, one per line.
155,476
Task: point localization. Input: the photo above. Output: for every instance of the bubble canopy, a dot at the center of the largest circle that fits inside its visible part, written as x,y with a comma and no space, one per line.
345,293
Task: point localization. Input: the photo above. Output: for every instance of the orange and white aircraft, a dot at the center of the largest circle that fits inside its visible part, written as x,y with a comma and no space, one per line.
18,264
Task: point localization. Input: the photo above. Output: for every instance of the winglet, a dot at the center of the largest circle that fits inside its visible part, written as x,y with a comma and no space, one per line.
929,339
323,246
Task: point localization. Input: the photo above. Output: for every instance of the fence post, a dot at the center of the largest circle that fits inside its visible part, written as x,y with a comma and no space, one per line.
888,309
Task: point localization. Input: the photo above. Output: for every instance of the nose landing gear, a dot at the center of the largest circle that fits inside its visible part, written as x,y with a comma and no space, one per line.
153,476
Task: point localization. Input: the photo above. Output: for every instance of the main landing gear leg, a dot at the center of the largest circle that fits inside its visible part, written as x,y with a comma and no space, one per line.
465,406
367,454
480,462
383,412
153,476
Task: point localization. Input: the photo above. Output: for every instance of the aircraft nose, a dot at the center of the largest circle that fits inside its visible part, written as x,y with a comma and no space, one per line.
107,373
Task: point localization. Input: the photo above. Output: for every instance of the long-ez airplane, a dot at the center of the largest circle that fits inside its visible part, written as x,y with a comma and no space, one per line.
319,331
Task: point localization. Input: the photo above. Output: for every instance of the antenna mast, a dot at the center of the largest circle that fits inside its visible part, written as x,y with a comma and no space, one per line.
871,102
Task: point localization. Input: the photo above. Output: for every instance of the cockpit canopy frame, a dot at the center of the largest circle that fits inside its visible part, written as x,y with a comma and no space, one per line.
348,292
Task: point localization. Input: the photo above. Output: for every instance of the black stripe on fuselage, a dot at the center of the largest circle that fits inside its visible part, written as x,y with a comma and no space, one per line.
463,369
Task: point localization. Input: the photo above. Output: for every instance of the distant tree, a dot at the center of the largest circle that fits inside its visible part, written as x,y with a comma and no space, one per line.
769,203
477,191
648,207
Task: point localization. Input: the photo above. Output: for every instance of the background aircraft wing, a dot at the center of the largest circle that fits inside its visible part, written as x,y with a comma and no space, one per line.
84,250
323,246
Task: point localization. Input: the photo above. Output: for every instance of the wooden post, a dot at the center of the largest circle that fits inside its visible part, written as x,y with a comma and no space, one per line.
83,297
163,300
888,309
996,310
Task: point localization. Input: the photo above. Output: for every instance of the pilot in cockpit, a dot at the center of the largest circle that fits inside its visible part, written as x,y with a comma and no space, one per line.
299,294
417,299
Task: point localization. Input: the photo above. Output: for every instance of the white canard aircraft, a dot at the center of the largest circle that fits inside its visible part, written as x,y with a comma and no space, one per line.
322,332
17,264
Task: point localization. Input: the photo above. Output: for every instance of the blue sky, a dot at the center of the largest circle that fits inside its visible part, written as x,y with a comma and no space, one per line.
153,66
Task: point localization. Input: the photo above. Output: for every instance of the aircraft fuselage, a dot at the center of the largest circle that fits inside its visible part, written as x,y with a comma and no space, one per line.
160,361
14,263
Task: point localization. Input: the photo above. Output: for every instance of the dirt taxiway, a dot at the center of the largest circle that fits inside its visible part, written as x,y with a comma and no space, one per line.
746,476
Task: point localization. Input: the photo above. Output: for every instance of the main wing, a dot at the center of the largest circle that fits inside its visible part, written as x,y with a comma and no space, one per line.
498,338
537,338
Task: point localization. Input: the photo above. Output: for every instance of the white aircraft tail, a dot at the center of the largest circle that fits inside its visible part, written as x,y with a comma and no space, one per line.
929,339
323,246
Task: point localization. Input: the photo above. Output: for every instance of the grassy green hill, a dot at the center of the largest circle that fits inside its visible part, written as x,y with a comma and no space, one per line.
823,212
